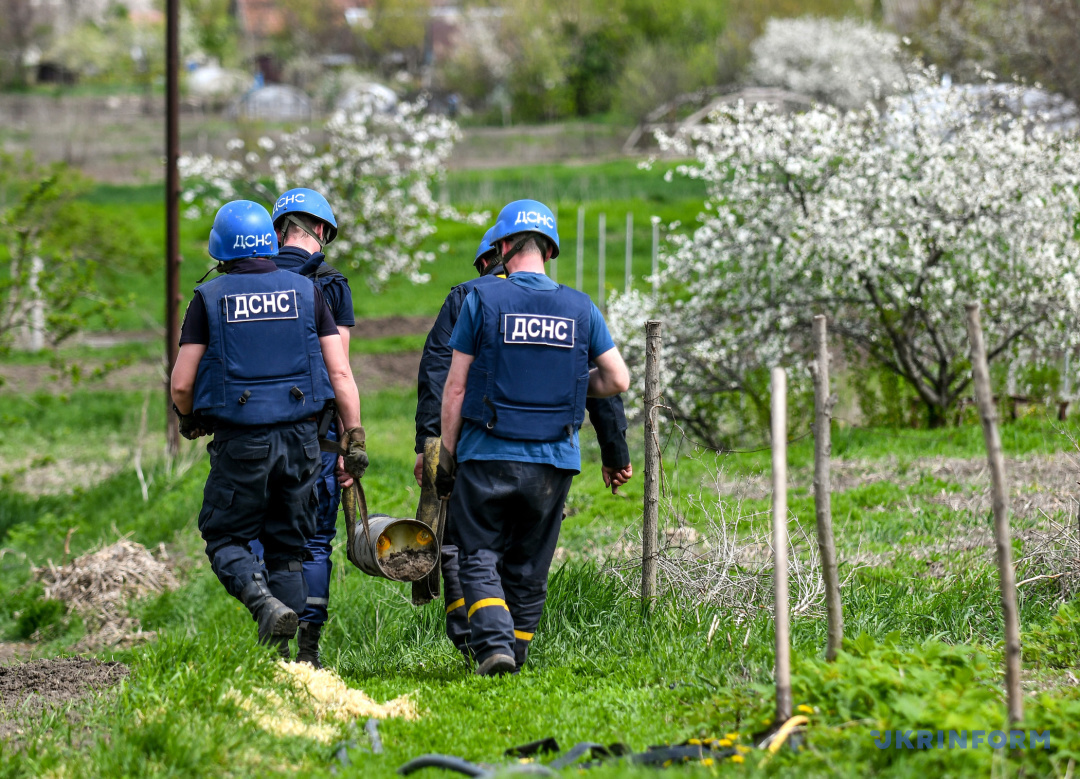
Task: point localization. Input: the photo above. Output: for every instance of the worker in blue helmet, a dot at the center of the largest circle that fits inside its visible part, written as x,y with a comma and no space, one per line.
260,356
607,416
304,224
512,405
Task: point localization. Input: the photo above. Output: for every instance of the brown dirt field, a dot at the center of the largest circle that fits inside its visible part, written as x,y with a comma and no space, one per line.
374,372
390,326
13,652
1042,483
28,689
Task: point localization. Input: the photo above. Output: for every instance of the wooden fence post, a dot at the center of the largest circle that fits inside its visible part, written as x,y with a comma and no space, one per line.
603,251
580,248
655,254
651,525
824,402
999,498
629,251
780,542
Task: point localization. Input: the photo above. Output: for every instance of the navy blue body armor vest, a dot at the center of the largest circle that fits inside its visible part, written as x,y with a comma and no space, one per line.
529,379
264,364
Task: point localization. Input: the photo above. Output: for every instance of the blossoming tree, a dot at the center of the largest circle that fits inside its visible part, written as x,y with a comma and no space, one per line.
377,168
888,219
841,61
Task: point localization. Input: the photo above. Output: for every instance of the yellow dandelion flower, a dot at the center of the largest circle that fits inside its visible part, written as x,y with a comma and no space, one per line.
707,761
725,742
694,741
732,736
741,749
737,759
805,709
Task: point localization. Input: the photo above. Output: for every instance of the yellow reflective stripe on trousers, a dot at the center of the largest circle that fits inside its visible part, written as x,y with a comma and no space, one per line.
485,602
455,605
523,635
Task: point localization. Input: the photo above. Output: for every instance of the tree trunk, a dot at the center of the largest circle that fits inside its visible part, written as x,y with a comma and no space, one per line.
936,416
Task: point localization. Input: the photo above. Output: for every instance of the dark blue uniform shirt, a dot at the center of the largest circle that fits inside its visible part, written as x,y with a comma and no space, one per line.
607,415
334,285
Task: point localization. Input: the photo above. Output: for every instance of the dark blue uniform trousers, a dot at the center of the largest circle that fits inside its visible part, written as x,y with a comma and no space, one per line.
457,620
505,521
317,565
261,486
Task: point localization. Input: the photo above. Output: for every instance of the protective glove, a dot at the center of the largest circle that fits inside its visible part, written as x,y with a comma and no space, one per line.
190,427
356,459
445,473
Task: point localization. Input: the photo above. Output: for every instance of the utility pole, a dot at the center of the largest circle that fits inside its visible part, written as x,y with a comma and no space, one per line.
172,211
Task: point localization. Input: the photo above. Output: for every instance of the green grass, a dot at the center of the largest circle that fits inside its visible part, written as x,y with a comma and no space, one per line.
613,188
923,651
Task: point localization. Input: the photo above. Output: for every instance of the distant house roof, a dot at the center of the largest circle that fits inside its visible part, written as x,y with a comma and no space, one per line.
262,19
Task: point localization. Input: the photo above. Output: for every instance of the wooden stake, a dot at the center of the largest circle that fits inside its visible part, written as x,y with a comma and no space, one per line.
580,278
651,526
780,541
655,256
823,407
603,251
172,214
629,275
999,498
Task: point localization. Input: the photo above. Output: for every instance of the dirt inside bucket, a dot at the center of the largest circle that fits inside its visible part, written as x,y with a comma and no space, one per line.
409,565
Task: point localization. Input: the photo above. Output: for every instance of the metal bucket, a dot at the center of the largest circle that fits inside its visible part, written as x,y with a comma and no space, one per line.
390,536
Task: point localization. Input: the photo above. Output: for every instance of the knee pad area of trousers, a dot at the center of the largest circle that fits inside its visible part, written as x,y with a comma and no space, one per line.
289,587
234,566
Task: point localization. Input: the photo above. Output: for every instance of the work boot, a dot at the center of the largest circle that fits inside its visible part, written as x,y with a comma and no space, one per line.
307,644
275,619
496,665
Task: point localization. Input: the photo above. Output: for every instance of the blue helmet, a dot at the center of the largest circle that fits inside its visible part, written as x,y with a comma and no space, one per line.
305,201
525,216
485,249
242,229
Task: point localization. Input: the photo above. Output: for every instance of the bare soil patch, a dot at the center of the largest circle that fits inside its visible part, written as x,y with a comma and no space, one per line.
28,689
13,651
375,372
1039,484
387,327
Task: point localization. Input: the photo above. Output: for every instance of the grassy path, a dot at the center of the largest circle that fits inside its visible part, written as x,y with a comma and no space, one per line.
921,616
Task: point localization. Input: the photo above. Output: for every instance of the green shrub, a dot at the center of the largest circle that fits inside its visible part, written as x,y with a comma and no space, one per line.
1055,644
44,617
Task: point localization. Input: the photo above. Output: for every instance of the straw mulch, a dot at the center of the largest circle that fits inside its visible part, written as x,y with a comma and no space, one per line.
99,585
322,697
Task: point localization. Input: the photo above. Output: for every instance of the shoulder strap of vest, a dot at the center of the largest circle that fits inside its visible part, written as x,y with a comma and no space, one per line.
326,269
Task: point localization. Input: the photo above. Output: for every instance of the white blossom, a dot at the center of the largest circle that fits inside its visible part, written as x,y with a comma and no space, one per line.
376,169
840,61
883,220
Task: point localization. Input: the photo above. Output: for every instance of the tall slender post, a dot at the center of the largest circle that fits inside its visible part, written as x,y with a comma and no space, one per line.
999,500
651,526
824,402
780,542
580,248
629,250
655,255
172,210
600,262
